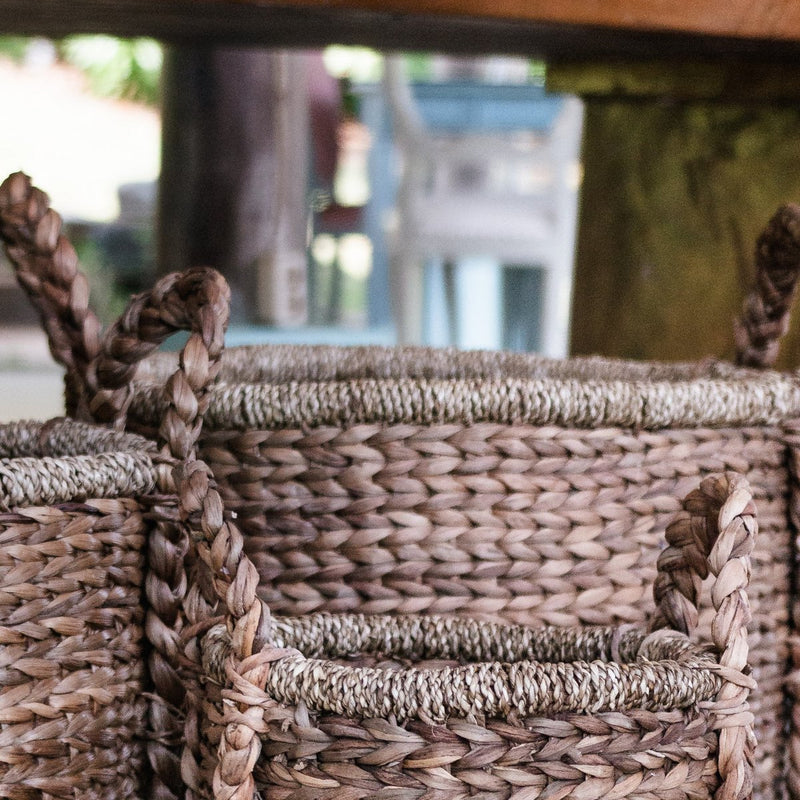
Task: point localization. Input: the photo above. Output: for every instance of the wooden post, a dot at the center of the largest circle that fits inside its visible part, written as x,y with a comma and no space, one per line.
683,166
220,198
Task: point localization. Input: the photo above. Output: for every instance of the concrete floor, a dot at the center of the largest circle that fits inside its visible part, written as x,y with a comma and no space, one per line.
30,383
30,395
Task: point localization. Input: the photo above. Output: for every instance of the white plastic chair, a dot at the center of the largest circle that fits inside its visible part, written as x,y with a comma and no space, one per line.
506,197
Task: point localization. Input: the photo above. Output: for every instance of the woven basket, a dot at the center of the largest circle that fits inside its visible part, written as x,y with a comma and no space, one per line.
61,760
504,487
78,515
537,499
73,714
307,707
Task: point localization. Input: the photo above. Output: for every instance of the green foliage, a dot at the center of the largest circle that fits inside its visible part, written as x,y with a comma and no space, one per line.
13,47
129,69
124,68
537,73
359,64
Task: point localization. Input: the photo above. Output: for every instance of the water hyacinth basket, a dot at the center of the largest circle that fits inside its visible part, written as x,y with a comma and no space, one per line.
506,488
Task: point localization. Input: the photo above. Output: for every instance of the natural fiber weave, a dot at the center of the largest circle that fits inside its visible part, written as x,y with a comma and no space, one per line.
195,301
537,522
527,671
72,537
505,487
630,716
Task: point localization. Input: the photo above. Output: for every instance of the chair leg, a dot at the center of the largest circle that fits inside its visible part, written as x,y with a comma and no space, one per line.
406,281
556,313
449,274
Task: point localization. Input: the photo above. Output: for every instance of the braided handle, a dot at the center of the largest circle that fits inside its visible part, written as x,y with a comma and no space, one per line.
98,368
196,300
46,266
765,312
99,387
716,533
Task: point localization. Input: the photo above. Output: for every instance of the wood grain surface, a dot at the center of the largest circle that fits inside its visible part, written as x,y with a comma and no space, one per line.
778,19
548,28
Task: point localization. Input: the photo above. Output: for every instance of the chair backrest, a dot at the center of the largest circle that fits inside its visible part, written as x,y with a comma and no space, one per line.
488,172
512,155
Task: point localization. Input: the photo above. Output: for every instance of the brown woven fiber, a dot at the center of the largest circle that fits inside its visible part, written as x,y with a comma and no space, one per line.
580,712
502,487
583,712
72,539
78,508
511,513
197,301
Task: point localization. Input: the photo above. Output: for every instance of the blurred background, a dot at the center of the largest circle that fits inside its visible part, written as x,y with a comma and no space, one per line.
403,198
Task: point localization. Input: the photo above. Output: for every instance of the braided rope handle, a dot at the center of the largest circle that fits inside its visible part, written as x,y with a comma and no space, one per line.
46,266
765,312
99,368
196,300
716,534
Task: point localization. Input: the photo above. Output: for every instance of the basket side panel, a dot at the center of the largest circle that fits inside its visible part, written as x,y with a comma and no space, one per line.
72,711
532,525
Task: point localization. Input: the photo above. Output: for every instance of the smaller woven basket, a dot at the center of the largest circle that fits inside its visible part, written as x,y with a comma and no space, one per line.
72,667
86,710
344,706
83,512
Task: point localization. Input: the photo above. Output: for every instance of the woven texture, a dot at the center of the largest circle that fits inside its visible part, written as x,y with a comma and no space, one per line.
631,716
99,368
506,487
197,301
554,521
72,542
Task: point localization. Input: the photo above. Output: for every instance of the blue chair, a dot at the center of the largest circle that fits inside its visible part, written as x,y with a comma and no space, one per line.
488,181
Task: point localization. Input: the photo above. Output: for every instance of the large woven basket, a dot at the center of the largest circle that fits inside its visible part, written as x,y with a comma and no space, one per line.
504,487
73,714
350,706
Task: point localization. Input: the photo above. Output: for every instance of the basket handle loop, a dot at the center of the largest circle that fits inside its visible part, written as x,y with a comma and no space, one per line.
46,267
99,368
715,534
765,312
196,300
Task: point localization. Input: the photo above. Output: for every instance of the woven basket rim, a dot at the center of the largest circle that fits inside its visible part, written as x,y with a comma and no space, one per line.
63,461
290,386
623,669
283,363
650,405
